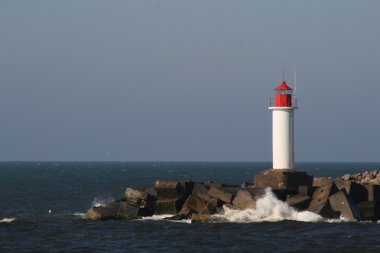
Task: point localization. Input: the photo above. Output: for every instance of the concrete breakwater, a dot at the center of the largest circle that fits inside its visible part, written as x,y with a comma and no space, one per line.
211,201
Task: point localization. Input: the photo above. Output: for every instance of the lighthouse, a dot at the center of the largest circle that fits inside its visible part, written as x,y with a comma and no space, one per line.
283,176
283,127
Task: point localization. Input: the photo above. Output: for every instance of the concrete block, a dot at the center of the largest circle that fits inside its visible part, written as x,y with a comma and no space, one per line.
370,210
299,202
324,210
168,188
211,207
187,186
201,191
169,205
356,191
304,190
152,192
322,194
137,198
373,192
321,181
100,213
124,210
244,200
221,194
289,179
194,203
341,202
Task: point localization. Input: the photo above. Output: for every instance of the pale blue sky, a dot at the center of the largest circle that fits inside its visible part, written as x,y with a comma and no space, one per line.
186,80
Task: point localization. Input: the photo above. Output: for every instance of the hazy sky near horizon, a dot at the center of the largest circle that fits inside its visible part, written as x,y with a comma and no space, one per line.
186,80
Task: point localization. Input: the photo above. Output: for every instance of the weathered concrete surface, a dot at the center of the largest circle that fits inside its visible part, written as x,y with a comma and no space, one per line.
194,203
322,194
167,187
299,202
370,210
324,209
221,194
244,200
201,191
373,192
304,190
152,192
212,207
356,191
169,205
282,179
100,213
137,198
341,202
124,210
321,181
187,187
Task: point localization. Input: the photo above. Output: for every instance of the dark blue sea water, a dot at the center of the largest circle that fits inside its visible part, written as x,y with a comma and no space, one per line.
29,190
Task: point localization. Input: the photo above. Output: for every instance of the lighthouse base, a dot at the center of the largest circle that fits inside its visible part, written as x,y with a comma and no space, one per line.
284,179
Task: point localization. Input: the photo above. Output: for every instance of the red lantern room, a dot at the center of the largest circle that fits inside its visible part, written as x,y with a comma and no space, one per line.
283,95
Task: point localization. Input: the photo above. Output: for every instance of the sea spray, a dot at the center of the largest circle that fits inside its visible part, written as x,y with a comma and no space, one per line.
269,209
100,201
7,220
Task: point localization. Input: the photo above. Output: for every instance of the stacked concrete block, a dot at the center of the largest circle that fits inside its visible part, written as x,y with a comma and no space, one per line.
343,203
170,197
370,210
222,194
298,201
320,201
244,200
356,191
100,213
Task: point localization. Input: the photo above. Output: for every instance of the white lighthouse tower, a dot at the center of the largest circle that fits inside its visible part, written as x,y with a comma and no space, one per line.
283,127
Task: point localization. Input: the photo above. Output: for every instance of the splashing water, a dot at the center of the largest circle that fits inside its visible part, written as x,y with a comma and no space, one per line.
7,220
269,209
79,214
101,201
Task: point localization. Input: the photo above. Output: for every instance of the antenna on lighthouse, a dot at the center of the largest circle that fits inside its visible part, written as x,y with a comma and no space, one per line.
283,71
295,79
295,82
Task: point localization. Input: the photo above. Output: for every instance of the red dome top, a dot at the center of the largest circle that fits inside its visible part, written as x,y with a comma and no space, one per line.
283,86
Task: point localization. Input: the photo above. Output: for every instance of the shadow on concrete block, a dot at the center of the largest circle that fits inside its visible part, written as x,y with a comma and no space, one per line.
288,179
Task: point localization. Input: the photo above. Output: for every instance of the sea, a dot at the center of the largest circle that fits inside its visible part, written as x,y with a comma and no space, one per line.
42,206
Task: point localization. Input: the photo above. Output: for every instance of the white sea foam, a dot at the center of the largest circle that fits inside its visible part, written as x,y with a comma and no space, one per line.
165,217
157,217
7,220
269,209
101,201
79,214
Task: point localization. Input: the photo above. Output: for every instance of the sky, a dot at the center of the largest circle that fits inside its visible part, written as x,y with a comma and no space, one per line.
94,80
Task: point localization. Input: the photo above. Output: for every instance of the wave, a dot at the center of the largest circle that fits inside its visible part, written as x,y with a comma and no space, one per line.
269,209
7,220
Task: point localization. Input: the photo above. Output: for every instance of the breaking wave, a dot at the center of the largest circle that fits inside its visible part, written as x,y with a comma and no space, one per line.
269,209
7,220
